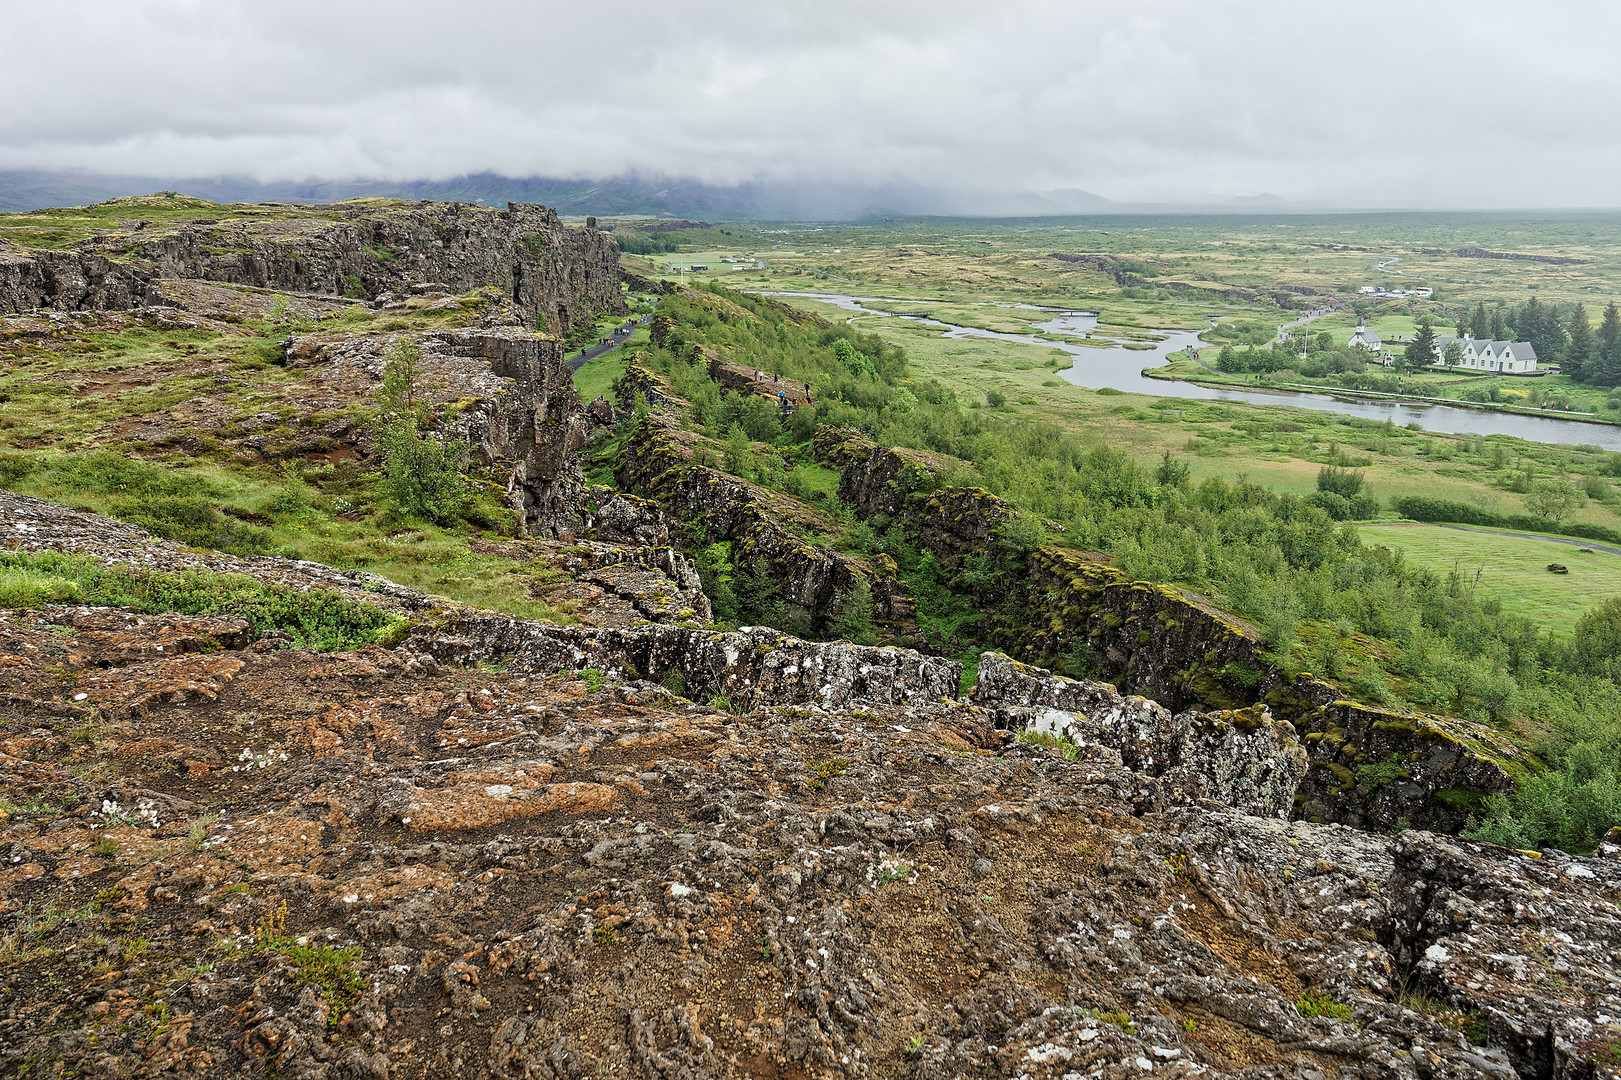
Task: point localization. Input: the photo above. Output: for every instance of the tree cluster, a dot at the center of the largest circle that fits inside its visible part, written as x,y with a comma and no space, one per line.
1560,333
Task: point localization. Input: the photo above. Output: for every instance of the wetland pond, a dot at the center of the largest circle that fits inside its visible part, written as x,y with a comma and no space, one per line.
1121,368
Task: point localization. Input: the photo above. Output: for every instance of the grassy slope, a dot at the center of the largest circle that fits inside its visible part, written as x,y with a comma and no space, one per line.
1512,570
58,227
64,399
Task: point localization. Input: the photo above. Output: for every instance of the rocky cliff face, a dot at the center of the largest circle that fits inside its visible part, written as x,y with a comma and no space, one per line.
513,398
1369,767
360,251
658,462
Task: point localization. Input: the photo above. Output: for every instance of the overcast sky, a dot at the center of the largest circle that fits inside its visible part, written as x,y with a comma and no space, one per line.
1415,103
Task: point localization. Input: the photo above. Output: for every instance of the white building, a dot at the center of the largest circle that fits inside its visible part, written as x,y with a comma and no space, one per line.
1382,293
1363,338
1479,354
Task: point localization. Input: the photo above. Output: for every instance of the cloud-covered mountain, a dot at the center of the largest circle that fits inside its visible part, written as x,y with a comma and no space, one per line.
617,196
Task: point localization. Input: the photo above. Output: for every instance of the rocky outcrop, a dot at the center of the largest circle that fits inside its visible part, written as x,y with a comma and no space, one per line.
71,281
1379,768
639,382
235,862
360,251
655,582
507,391
751,667
1160,641
875,479
1239,758
1370,767
747,380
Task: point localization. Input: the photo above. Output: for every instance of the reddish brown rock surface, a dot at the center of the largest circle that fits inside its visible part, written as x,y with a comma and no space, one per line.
471,872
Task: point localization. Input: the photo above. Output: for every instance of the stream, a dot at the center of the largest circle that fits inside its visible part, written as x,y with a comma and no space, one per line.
1121,369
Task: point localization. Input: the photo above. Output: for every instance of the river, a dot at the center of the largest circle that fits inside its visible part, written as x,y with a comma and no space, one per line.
1121,369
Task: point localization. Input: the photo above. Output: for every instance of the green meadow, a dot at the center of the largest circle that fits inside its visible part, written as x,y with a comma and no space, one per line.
1508,570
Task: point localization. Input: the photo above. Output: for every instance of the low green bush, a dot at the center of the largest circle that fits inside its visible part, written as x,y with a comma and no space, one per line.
314,618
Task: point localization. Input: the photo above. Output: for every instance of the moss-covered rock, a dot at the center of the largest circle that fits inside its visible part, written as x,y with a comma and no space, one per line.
657,461
1183,651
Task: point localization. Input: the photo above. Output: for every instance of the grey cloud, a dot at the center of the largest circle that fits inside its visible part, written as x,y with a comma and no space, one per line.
1482,103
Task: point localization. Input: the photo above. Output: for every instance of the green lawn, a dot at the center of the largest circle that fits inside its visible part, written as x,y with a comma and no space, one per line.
1513,570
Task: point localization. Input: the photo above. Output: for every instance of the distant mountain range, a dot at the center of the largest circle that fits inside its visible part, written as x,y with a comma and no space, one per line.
639,195
622,196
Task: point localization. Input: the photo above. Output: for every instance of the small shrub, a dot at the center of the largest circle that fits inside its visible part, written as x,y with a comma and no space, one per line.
605,935
1118,1017
1186,875
823,771
314,618
896,872
852,615
1061,743
104,848
333,972
1317,1003
422,473
594,679
197,836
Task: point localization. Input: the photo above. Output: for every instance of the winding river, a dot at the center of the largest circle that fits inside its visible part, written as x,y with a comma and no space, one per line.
1121,369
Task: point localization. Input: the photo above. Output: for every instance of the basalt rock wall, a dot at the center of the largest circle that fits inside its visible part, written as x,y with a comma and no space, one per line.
875,479
1369,767
1377,768
71,281
640,381
525,251
811,578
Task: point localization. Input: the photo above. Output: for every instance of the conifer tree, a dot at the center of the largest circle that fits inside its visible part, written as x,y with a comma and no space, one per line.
1608,371
1577,358
1539,324
1479,325
1499,331
1421,350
